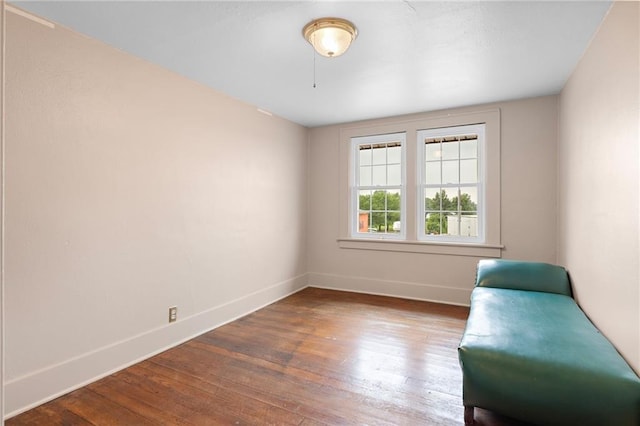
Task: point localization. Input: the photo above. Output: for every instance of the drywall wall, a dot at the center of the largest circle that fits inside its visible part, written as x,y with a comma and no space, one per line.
528,183
130,189
598,180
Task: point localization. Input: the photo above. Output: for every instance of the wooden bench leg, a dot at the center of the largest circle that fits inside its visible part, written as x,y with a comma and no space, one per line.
468,416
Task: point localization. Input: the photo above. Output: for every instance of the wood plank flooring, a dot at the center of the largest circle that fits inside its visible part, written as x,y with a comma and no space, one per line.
318,357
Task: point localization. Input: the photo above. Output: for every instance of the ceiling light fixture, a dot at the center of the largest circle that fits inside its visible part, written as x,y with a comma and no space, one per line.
330,37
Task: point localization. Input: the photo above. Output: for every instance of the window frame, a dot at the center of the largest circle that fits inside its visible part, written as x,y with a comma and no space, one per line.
492,246
355,186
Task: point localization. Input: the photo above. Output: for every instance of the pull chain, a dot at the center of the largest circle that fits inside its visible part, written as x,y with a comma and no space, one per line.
314,69
314,58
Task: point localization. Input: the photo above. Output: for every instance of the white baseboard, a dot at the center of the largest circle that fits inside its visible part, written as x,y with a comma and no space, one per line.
405,290
26,392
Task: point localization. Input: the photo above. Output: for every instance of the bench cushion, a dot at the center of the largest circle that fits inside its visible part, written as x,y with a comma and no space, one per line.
536,357
518,275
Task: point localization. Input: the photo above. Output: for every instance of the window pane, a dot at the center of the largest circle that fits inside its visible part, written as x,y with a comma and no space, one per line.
396,225
364,218
393,200
379,200
365,155
469,171
394,155
452,224
379,175
433,151
468,199
394,175
393,222
432,199
379,155
378,222
468,225
432,173
469,149
450,172
449,199
435,224
365,176
364,200
450,150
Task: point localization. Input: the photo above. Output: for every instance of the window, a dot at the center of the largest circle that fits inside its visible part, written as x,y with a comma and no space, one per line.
429,183
450,187
377,186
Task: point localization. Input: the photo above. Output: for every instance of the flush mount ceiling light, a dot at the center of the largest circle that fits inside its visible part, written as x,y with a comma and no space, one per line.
330,37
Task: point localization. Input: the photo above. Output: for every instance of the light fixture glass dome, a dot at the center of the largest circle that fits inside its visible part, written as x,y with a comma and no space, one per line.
330,37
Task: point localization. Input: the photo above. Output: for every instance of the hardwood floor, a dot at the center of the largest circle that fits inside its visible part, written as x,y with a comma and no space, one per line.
318,357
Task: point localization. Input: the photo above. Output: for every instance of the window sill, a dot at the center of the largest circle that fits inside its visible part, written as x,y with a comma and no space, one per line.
451,249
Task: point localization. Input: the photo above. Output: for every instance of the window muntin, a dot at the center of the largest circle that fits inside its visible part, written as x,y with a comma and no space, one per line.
378,186
451,184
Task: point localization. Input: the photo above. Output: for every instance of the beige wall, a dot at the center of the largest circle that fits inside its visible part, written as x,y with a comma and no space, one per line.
130,189
528,138
2,26
598,178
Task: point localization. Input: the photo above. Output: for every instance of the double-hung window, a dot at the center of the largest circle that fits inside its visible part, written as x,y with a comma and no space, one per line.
450,165
377,191
427,184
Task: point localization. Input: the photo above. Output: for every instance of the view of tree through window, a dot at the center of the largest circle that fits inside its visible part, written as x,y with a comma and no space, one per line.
382,209
441,209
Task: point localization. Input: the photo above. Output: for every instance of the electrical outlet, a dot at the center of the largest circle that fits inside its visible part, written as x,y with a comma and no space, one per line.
173,314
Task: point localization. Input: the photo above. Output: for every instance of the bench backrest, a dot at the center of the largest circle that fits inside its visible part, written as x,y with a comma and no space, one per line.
521,275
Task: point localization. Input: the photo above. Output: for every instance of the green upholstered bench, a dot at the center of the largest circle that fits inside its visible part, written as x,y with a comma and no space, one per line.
530,353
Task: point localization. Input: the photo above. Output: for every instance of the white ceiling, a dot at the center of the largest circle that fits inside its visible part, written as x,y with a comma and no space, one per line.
410,56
